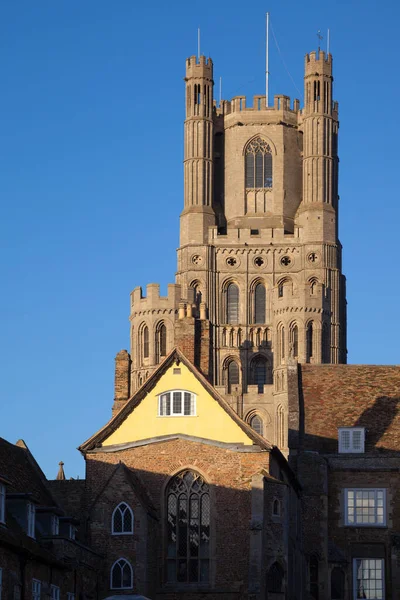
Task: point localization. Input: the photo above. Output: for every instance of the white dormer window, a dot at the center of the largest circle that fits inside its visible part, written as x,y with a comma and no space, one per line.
351,439
177,403
55,525
2,503
31,514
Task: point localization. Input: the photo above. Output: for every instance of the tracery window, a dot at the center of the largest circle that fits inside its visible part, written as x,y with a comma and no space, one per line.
232,304
259,303
121,575
257,424
122,519
188,529
258,161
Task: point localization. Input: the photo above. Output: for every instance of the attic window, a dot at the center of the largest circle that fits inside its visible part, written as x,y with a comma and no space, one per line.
351,439
177,403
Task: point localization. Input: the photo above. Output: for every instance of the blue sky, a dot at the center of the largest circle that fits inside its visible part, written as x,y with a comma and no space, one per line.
92,105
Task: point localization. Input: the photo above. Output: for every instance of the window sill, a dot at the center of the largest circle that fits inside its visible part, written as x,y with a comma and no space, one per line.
122,533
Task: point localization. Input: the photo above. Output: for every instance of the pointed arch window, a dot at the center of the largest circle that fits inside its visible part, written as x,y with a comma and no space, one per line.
257,424
259,303
294,341
258,164
188,529
121,575
145,342
122,520
232,304
280,427
161,341
232,375
275,578
309,341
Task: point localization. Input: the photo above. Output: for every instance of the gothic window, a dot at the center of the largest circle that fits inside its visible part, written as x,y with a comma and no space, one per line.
259,372
259,303
232,304
188,529
309,341
275,578
232,376
161,341
257,424
313,574
258,164
280,427
281,344
145,338
121,575
276,508
337,584
122,519
294,340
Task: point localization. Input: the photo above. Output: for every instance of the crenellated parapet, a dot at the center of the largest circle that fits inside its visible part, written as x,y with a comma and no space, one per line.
152,302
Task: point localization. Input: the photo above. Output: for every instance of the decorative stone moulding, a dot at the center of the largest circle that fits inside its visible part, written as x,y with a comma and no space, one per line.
260,262
233,262
286,261
197,260
313,257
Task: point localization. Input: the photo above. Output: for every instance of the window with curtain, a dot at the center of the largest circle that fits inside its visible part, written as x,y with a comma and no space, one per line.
232,304
258,164
259,303
188,529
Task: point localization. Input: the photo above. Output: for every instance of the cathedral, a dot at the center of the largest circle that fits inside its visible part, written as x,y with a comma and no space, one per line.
244,459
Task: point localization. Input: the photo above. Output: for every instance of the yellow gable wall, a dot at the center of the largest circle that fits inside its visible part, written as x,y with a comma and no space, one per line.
211,421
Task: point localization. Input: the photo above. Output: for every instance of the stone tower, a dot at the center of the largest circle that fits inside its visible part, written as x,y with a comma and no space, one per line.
259,279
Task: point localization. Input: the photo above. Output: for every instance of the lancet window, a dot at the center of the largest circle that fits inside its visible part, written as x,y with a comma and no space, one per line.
258,161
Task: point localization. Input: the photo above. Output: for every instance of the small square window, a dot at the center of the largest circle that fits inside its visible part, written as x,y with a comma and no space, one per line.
351,439
254,232
365,507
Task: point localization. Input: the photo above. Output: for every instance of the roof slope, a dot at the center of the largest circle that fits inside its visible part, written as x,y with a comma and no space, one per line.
175,356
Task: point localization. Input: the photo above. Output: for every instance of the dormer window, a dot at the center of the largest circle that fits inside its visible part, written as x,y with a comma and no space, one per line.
30,519
72,532
177,403
55,525
2,503
351,440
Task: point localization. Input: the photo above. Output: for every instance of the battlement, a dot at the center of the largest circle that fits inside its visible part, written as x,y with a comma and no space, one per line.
153,300
239,104
318,63
199,67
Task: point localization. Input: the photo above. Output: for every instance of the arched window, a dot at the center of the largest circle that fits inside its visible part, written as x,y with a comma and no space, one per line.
275,578
294,340
280,427
326,344
258,161
122,519
121,575
161,341
280,344
337,584
259,372
188,529
198,297
232,304
259,303
313,574
257,424
276,508
309,341
232,376
145,342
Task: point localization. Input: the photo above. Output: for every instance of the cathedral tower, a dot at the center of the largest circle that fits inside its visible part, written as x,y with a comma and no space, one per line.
259,281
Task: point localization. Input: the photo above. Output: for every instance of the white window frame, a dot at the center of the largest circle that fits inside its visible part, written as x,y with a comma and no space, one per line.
30,519
351,449
54,592
111,572
193,404
2,503
355,596
70,596
132,520
55,525
356,523
36,589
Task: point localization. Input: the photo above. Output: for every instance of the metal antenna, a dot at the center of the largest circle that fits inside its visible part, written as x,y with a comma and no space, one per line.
327,42
320,37
198,43
266,61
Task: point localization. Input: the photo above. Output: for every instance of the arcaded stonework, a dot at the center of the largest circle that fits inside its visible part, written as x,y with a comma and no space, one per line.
278,230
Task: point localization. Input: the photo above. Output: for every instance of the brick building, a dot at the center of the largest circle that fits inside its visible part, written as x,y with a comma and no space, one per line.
244,459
